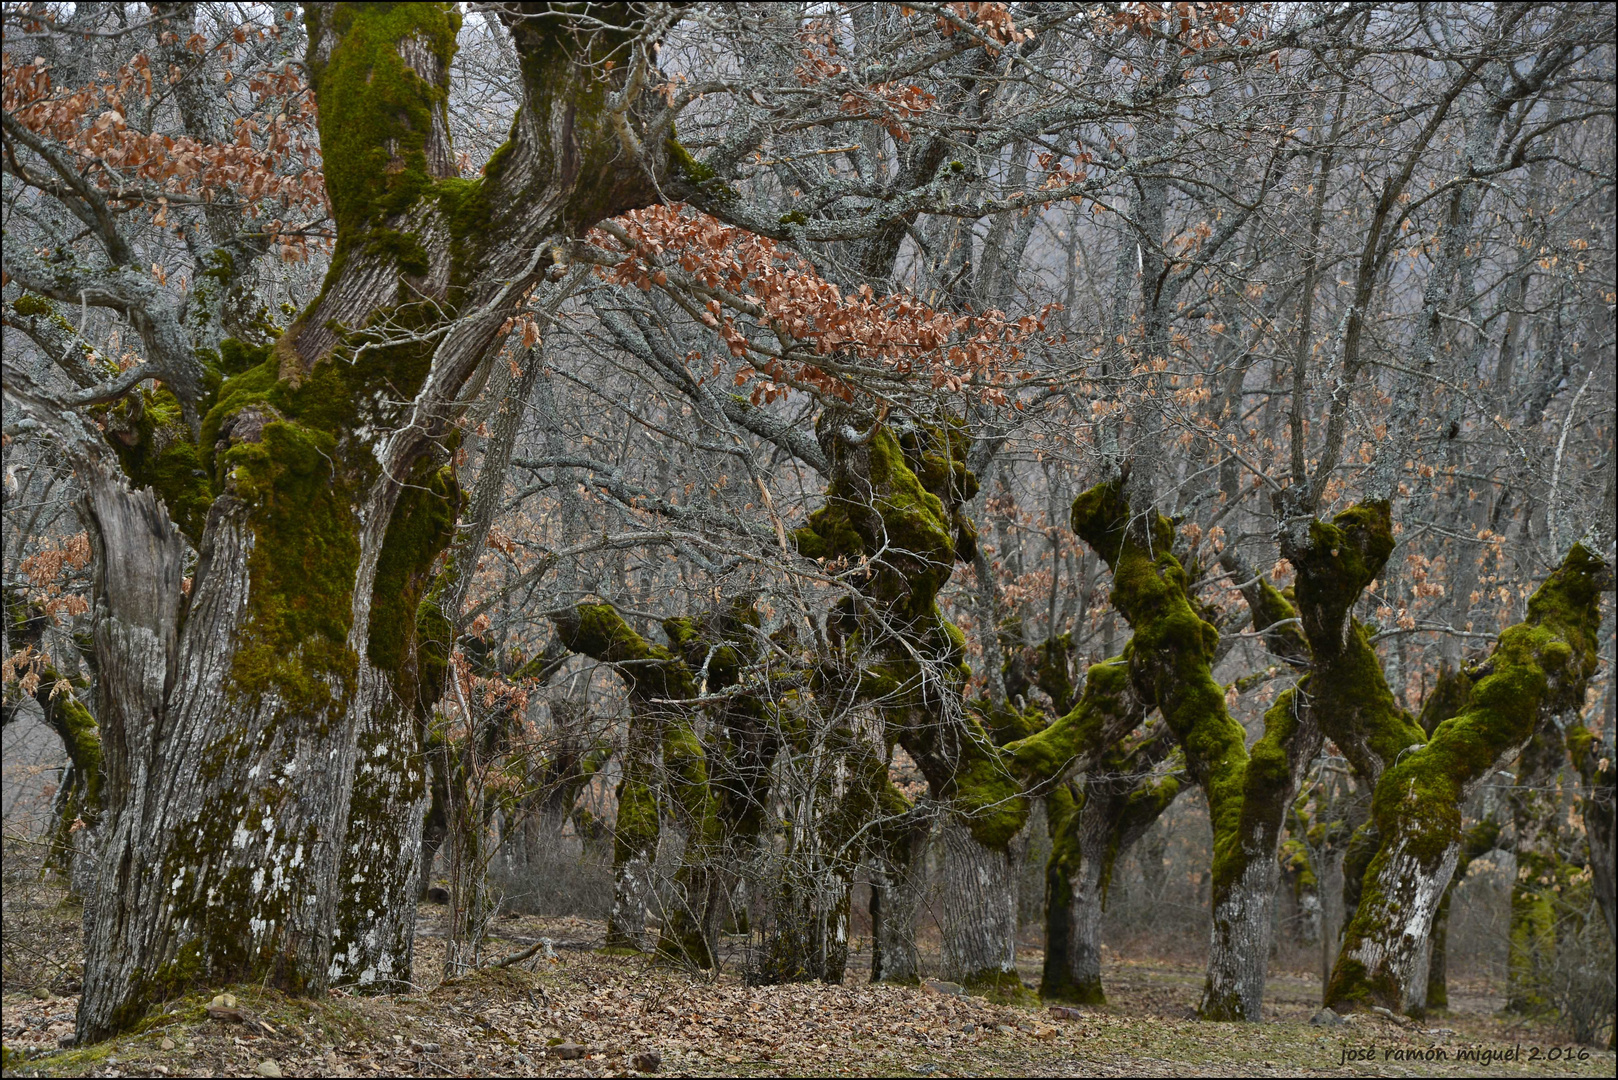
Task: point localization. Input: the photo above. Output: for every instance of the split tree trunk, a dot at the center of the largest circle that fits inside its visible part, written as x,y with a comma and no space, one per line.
1336,561
1450,694
896,495
1117,804
1344,696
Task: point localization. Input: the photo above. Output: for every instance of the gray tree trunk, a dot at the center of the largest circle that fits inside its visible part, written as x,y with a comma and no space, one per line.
896,894
979,920
204,874
231,735
381,871
1084,923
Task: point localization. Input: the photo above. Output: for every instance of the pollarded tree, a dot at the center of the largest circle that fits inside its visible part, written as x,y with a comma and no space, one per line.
1539,670
266,526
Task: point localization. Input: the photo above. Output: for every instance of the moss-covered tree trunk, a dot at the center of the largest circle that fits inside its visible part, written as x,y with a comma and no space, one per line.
246,839
714,791
895,503
1064,975
1275,769
1335,562
1597,764
1539,668
803,936
895,497
1118,801
691,904
634,842
1109,708
1346,694
1449,696
718,785
1171,659
1542,874
838,814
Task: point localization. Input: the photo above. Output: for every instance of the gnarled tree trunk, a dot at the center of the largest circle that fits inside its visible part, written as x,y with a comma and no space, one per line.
1118,801
1170,664
233,736
1539,668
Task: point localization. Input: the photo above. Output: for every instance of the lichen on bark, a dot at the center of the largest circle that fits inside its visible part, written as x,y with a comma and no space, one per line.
1540,667
285,498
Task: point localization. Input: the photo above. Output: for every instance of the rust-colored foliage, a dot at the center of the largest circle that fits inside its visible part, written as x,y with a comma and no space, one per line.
754,275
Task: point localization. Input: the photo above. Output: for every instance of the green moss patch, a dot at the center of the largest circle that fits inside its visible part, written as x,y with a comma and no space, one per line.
1541,665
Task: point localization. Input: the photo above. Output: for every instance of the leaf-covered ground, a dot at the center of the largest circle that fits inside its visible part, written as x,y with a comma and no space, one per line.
615,1010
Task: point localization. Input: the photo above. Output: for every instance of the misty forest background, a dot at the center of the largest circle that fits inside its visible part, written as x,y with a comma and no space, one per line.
830,491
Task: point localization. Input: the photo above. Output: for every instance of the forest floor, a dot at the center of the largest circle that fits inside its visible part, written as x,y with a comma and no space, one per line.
612,1010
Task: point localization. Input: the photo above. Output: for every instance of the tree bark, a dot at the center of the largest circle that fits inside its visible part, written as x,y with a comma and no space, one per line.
1539,668
1171,659
232,737
898,494
374,944
896,895
1541,873
1336,561
979,922
434,825
1597,764
654,677
1090,830
634,846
